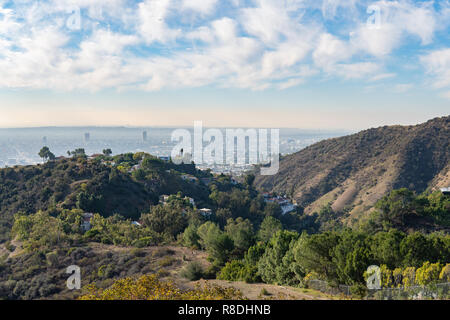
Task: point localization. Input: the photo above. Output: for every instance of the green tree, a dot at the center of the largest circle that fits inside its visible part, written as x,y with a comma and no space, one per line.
207,233
220,249
77,153
268,228
385,247
351,257
107,152
314,254
270,266
415,250
190,237
249,179
170,220
242,234
45,154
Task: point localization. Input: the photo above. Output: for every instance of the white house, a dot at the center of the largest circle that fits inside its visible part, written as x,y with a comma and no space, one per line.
86,224
191,201
188,177
206,212
164,198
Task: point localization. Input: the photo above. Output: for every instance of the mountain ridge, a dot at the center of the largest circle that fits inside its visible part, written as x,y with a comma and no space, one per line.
355,171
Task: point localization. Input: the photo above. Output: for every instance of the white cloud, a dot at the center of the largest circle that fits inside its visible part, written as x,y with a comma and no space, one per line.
382,76
203,6
437,65
355,70
402,87
290,83
397,19
331,50
152,21
259,44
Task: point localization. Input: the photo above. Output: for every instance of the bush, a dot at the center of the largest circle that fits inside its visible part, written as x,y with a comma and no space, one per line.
167,262
239,271
264,292
193,271
359,290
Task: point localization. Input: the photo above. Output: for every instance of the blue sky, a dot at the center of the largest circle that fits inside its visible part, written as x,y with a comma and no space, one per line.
257,63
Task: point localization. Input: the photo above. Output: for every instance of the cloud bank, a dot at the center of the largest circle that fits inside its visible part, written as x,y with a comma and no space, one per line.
255,44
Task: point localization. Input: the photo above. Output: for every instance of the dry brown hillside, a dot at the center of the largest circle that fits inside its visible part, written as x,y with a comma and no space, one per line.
353,172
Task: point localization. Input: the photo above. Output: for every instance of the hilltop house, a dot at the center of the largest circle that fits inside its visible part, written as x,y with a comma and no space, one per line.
86,223
446,191
206,212
163,199
191,201
190,178
285,204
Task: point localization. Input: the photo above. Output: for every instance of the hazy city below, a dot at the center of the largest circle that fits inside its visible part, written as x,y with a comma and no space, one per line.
20,146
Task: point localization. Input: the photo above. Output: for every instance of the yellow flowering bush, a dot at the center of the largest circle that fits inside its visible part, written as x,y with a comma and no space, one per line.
386,276
428,273
445,273
409,276
149,287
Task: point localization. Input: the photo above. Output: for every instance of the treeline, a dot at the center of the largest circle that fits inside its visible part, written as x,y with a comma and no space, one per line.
104,185
268,252
339,257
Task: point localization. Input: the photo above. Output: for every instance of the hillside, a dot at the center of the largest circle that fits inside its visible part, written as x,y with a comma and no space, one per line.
90,185
353,172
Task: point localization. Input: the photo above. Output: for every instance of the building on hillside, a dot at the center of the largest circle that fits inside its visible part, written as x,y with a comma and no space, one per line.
446,191
135,167
164,158
86,223
163,198
206,212
191,201
285,204
190,178
136,223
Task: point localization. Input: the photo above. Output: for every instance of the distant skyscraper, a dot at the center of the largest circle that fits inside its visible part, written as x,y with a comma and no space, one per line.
87,136
144,135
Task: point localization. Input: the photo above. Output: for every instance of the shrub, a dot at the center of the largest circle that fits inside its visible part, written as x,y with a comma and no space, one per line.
264,292
167,261
359,290
428,273
149,287
445,273
193,271
161,252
